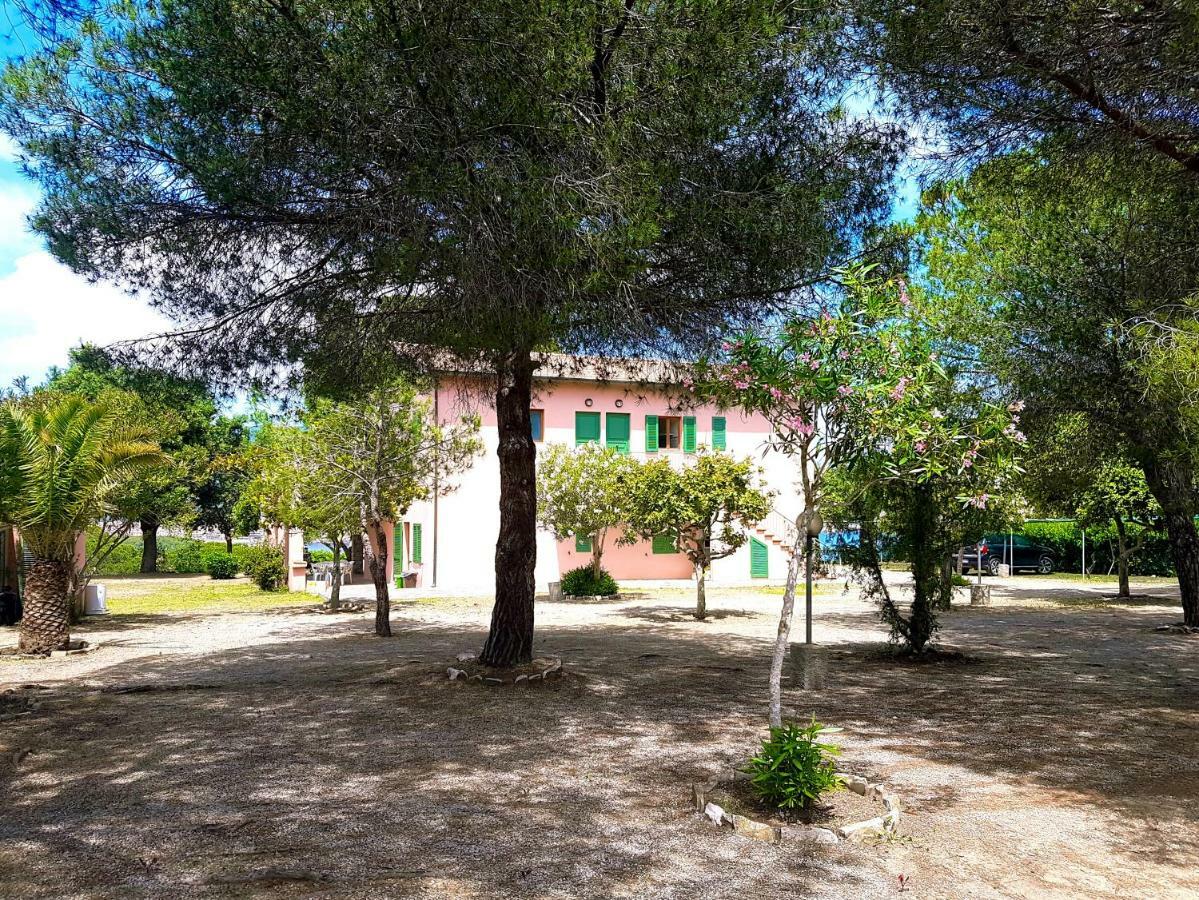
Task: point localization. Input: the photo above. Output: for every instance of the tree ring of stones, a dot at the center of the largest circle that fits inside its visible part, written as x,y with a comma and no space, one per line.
882,826
553,669
611,598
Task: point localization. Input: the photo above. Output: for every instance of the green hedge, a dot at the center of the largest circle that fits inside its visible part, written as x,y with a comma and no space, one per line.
1065,539
180,555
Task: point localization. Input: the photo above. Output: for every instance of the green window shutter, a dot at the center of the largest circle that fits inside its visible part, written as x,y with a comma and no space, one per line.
416,544
398,540
688,434
618,431
651,434
664,543
587,427
759,561
582,545
718,433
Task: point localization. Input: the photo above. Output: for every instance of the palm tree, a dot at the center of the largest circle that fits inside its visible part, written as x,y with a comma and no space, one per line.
60,461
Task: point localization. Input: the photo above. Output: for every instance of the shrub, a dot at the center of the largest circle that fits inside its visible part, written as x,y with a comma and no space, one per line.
221,565
185,557
321,556
266,567
794,768
580,583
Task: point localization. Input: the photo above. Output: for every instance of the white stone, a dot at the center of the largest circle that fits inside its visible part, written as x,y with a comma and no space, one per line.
716,814
858,830
454,673
857,784
465,657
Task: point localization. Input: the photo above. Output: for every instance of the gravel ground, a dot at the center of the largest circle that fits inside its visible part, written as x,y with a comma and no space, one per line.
286,754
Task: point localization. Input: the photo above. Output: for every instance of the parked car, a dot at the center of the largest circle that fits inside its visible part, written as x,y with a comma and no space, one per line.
1017,551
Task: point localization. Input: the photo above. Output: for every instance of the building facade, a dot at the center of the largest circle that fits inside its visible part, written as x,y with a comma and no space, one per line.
449,542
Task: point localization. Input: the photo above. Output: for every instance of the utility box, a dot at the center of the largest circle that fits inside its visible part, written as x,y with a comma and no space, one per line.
95,601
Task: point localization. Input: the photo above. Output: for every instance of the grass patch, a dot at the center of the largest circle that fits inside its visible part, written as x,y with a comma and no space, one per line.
1110,579
192,594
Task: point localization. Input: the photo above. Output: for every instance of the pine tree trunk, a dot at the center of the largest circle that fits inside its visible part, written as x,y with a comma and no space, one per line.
1172,485
783,640
510,640
45,626
378,567
229,543
922,621
335,585
356,555
1122,557
701,598
149,546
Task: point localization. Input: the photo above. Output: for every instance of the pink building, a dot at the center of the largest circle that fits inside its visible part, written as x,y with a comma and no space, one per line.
634,406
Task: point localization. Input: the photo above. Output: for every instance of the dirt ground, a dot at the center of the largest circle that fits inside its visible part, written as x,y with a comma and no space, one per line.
286,754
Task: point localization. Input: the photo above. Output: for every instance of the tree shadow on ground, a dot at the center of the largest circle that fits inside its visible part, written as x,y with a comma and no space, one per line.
344,764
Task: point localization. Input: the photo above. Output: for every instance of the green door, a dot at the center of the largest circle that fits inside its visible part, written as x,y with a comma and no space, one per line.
587,427
759,561
618,431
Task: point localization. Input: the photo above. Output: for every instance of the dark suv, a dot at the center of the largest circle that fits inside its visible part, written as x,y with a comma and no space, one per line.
998,549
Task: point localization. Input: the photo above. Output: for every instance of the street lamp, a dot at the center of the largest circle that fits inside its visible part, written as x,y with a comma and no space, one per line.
814,524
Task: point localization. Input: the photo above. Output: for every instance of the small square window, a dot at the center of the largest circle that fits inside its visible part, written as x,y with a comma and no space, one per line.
670,429
537,424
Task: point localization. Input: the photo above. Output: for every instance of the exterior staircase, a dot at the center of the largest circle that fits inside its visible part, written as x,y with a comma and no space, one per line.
779,529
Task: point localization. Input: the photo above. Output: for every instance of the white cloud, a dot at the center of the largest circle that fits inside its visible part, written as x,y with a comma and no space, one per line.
45,309
17,200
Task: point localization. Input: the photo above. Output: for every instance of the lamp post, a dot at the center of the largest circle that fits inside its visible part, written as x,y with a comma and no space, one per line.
814,525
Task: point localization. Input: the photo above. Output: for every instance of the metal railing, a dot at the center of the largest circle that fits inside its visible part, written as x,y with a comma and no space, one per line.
781,527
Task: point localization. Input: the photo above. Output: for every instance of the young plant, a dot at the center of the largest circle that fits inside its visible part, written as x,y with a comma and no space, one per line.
795,767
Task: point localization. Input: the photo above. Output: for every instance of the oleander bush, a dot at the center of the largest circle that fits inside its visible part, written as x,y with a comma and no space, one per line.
795,766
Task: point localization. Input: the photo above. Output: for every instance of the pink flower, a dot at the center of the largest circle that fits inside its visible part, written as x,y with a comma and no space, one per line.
726,346
741,385
1016,407
814,365
903,293
842,354
900,388
776,393
845,390
980,502
967,462
921,446
805,356
801,427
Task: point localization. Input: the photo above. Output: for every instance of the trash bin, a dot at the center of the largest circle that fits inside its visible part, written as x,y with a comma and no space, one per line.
408,579
95,601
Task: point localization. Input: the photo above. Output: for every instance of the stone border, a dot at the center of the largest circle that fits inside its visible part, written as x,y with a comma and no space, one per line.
881,826
608,597
553,670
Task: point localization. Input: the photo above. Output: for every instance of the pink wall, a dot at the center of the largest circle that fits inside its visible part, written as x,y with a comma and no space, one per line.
630,561
560,400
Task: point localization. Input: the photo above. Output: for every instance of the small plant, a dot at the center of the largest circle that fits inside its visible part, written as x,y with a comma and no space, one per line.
265,566
581,583
959,580
222,565
794,767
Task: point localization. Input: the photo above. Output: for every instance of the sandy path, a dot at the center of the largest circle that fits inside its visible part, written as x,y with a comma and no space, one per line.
286,754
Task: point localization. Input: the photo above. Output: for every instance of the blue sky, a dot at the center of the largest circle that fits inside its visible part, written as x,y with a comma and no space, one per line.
45,309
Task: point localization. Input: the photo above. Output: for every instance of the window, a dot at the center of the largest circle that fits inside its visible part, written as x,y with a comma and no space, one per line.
537,424
719,441
618,432
664,543
587,427
759,559
689,434
417,550
670,430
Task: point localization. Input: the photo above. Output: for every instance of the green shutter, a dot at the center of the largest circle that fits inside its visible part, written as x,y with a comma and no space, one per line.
587,427
689,434
582,545
664,543
651,434
416,544
759,561
398,549
618,431
718,433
